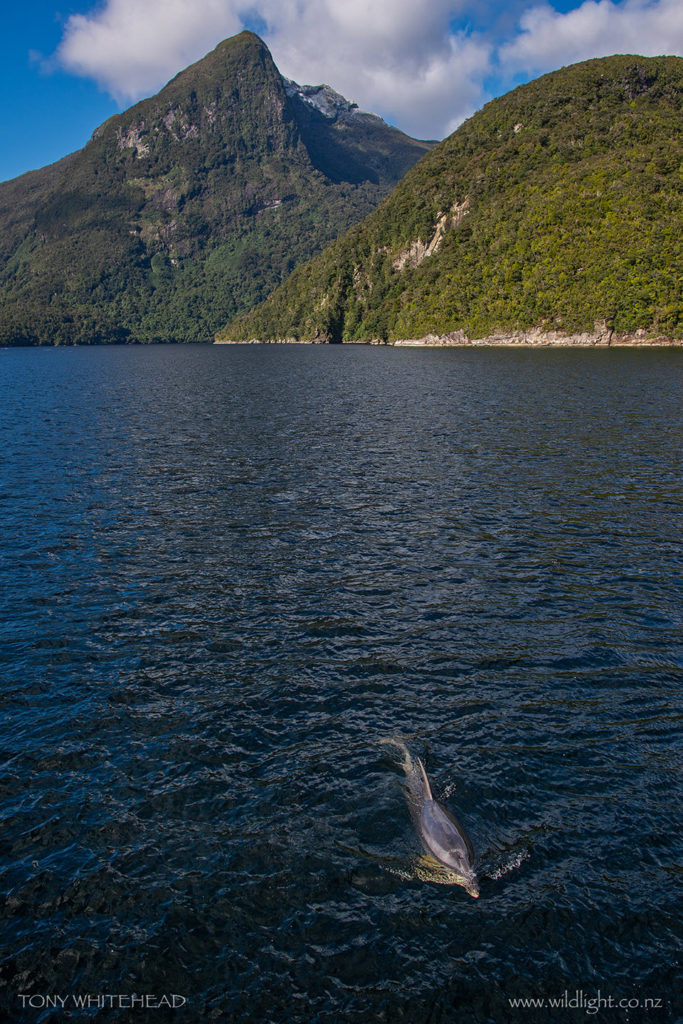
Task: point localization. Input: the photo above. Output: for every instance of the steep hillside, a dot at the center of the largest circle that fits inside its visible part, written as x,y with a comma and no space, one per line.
191,206
555,207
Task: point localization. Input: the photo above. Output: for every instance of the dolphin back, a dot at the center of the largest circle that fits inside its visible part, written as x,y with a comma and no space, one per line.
443,835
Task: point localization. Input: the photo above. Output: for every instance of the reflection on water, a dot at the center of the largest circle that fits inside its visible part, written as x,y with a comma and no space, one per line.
227,573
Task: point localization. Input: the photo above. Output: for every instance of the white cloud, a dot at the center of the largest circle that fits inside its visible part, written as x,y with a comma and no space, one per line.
131,49
402,62
597,28
399,58
396,57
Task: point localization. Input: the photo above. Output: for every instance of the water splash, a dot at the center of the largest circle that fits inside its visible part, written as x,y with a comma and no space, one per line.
414,869
511,864
413,773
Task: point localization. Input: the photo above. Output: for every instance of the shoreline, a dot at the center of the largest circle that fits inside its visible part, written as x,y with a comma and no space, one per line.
534,338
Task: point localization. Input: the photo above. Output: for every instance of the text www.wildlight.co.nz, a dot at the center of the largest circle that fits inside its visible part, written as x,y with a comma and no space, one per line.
579,1000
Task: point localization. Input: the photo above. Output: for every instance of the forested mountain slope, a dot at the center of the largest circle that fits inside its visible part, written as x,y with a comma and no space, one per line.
191,206
555,207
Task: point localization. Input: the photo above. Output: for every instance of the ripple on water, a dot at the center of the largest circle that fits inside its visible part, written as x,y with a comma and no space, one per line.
243,568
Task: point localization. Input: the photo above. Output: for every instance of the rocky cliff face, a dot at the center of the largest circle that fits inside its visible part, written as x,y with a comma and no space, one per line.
190,206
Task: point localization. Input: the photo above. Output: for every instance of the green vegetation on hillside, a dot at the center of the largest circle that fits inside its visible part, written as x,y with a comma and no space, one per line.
188,208
563,204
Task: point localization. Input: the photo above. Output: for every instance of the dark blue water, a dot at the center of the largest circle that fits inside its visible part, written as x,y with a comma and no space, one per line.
227,573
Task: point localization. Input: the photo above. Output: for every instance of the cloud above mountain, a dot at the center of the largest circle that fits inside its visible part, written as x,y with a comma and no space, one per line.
548,39
425,67
131,49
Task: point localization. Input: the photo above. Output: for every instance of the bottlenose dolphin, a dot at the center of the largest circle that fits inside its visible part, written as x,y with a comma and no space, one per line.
450,857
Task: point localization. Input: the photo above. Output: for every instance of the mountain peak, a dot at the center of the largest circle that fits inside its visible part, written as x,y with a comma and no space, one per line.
190,206
245,53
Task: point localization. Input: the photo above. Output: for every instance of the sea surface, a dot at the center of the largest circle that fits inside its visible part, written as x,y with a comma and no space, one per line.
228,573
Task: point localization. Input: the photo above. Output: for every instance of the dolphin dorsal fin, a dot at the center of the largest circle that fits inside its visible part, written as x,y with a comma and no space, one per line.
428,788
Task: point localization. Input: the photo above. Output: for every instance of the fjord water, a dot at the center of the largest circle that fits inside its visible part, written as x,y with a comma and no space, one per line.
228,573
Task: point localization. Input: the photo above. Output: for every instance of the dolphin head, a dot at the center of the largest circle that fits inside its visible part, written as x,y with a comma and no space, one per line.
471,886
468,880
429,869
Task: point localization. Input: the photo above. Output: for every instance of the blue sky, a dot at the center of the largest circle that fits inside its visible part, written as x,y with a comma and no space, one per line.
67,66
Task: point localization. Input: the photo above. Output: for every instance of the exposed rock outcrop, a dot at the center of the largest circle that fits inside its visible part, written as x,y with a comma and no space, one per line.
419,251
537,337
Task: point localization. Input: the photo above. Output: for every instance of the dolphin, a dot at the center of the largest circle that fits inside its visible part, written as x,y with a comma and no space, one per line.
450,857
